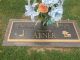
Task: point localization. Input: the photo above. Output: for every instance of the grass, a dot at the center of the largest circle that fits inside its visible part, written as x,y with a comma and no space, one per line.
71,10
15,9
20,53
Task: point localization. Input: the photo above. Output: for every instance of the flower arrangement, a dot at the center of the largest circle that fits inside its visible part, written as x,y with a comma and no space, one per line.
48,11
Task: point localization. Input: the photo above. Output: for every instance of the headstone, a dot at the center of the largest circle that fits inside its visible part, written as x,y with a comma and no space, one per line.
21,32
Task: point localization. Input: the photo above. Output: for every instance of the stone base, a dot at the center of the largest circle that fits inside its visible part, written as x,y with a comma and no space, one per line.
21,32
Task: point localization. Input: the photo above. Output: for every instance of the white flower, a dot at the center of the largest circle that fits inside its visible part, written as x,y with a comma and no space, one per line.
30,11
56,14
50,1
60,2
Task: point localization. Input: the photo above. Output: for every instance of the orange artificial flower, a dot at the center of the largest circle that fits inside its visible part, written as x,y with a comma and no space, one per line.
42,8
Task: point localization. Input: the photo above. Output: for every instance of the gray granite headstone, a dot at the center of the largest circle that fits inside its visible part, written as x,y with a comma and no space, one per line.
26,33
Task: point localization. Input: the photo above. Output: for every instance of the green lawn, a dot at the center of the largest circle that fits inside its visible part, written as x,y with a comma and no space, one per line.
15,9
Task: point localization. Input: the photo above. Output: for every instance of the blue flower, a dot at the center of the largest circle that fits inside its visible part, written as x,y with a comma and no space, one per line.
56,13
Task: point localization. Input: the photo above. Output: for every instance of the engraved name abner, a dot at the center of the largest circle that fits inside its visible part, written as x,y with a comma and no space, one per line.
44,34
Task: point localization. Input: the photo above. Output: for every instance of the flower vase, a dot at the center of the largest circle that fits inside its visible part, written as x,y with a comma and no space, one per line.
43,23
